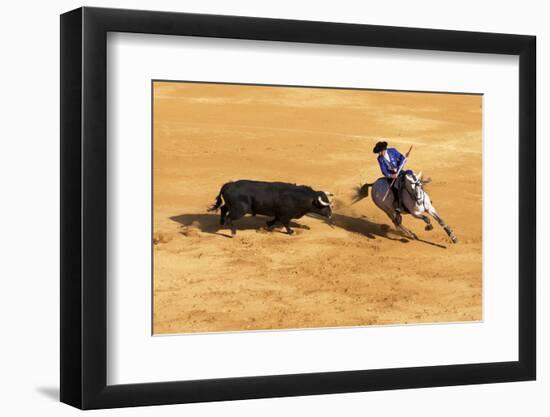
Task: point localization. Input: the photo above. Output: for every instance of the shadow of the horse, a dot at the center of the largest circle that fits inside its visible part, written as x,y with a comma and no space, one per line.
365,227
210,223
371,229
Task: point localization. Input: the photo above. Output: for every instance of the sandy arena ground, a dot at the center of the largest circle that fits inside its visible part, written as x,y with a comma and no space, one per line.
360,272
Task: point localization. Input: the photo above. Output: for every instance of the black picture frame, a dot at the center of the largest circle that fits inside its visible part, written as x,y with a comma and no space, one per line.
84,207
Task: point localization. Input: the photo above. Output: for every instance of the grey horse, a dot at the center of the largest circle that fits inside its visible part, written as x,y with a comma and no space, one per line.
416,201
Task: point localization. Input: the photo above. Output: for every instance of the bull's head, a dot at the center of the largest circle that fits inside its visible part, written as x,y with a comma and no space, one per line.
321,204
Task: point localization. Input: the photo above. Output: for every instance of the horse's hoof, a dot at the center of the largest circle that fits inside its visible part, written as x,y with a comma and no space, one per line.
429,227
454,239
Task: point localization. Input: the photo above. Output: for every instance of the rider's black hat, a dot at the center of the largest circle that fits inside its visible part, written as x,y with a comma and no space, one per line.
380,146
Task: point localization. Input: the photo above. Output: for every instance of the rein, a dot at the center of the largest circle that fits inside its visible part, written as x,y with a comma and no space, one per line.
423,198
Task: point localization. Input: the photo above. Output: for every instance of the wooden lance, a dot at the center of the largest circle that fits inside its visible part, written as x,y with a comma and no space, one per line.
398,172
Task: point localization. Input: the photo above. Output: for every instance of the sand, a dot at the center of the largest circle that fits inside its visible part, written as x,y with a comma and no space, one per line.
359,271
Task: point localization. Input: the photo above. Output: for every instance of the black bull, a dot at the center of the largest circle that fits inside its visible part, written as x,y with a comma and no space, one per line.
280,200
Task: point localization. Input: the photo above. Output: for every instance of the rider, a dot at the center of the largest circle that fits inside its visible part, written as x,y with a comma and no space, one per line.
390,161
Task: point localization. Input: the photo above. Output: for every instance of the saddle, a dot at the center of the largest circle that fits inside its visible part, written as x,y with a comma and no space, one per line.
398,186
395,190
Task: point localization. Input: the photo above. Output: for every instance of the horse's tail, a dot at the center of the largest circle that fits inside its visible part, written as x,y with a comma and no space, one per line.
360,192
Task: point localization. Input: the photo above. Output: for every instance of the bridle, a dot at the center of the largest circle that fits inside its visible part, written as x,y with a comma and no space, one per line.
421,201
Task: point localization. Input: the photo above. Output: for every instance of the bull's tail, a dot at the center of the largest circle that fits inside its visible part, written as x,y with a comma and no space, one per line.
219,199
360,192
214,207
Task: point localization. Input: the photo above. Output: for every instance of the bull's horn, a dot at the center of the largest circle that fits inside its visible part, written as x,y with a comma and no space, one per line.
328,194
420,175
323,203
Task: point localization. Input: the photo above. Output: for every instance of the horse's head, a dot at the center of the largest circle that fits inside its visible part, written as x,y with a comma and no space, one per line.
416,183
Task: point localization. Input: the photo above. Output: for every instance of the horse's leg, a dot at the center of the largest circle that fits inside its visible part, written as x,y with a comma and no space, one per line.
395,217
425,219
407,232
444,225
429,225
408,204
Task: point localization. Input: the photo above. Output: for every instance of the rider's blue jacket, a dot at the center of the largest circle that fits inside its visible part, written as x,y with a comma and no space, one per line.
395,160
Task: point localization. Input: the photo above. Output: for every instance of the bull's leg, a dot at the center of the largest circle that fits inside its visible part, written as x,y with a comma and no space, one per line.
232,215
231,226
271,223
235,213
223,213
444,225
286,224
